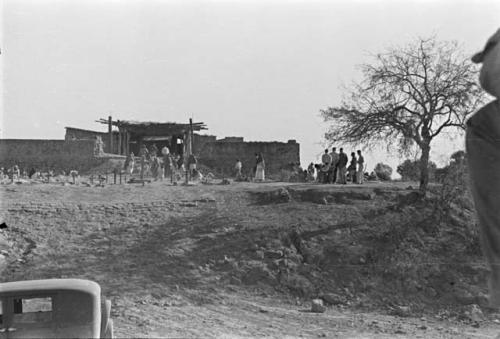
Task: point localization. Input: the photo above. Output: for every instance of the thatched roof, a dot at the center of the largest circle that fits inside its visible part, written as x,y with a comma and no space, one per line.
150,128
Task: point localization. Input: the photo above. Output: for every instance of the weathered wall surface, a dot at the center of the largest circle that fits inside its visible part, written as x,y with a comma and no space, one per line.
44,155
200,140
81,134
221,156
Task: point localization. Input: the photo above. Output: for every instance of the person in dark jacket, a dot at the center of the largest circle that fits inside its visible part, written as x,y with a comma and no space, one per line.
483,152
352,168
342,167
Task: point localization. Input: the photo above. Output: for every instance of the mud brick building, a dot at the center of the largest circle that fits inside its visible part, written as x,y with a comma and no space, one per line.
221,155
84,149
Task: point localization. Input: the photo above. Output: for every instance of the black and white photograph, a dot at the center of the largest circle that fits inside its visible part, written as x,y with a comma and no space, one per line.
250,169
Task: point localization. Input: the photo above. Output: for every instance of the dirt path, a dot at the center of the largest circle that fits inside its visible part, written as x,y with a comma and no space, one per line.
157,252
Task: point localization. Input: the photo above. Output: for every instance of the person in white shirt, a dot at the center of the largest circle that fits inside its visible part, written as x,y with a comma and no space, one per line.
237,168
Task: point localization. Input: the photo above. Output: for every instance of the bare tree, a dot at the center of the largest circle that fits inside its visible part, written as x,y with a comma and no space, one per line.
408,96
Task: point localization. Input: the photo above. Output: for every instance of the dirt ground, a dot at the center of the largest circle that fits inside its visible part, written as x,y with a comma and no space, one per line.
197,261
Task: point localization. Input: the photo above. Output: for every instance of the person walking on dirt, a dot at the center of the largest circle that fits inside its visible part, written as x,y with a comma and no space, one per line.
167,163
144,154
342,167
260,167
155,167
129,163
154,150
237,168
335,165
483,152
311,174
360,175
352,168
192,162
326,160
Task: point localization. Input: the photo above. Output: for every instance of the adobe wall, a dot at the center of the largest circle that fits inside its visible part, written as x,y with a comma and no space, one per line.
45,155
200,140
220,155
80,134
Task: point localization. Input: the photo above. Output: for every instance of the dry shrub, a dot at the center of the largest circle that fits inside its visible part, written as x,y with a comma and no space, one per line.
383,171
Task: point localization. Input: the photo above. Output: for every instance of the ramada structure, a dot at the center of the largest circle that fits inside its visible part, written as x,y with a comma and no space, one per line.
86,149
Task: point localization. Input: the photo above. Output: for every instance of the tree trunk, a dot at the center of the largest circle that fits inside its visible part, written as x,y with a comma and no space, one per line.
424,167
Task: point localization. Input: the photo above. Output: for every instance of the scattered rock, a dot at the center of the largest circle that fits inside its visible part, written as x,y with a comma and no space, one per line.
482,300
476,313
464,297
333,299
297,283
401,311
156,296
317,306
272,254
259,273
279,196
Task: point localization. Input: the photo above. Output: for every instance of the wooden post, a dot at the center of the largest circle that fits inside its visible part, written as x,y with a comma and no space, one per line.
191,134
120,177
125,142
120,141
110,131
114,177
142,167
187,152
128,142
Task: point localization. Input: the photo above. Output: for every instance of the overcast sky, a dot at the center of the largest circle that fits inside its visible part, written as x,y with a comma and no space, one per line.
257,69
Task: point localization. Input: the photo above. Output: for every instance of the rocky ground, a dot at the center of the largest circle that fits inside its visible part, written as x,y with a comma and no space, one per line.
246,260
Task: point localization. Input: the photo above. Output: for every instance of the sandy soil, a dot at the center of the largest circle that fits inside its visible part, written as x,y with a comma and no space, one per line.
158,251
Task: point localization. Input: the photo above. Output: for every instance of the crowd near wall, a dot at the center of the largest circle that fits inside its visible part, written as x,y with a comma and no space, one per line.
78,152
221,155
44,155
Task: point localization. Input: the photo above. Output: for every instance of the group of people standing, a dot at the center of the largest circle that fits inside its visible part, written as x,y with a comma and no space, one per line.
258,170
335,166
160,166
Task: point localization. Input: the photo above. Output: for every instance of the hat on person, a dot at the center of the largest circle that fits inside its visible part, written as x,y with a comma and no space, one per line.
492,41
